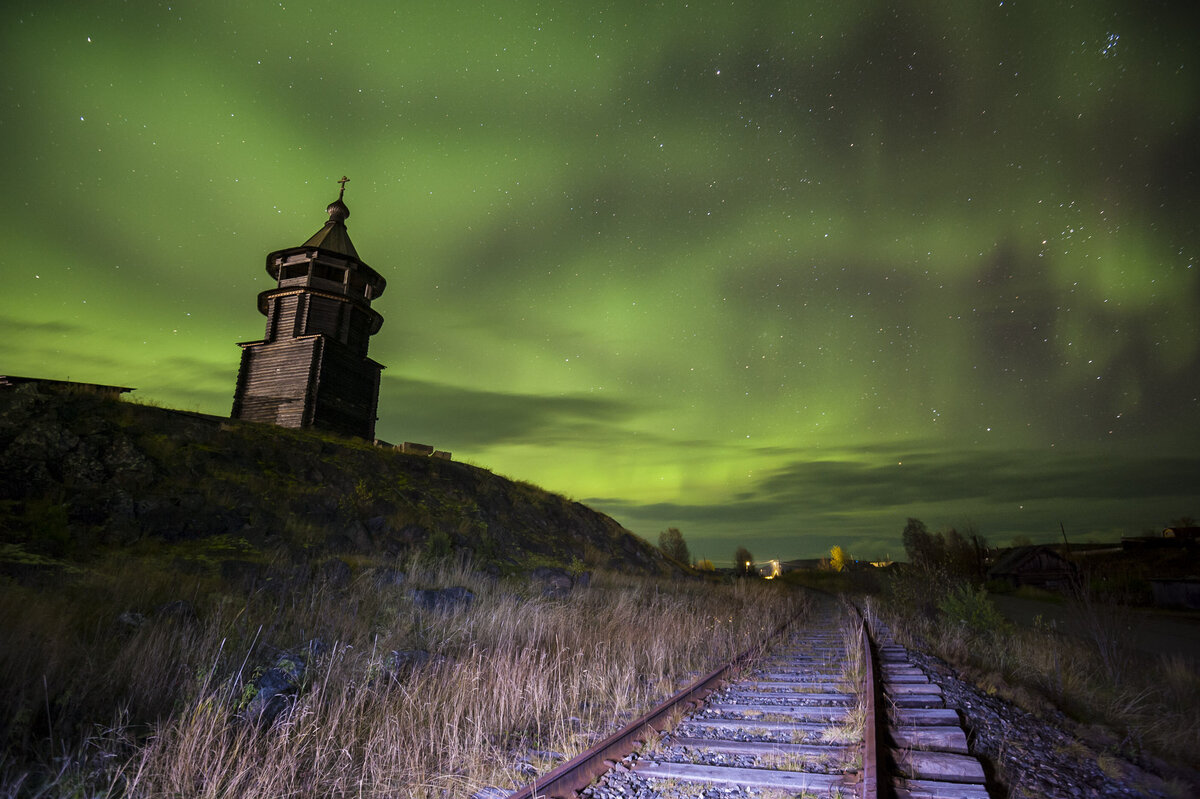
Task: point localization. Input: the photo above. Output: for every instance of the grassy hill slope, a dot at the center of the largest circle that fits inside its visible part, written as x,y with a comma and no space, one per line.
81,474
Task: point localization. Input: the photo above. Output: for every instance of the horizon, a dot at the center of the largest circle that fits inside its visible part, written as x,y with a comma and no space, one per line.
779,277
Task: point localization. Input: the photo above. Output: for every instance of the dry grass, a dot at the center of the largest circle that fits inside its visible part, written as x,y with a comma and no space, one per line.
850,729
789,761
1152,703
100,708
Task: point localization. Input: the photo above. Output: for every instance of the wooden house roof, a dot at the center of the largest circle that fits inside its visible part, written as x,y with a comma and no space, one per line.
1034,558
333,237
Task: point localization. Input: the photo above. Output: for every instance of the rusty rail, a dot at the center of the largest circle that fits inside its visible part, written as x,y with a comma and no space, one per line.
871,728
578,772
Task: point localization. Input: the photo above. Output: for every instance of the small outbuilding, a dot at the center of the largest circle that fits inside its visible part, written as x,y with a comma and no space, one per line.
12,381
1039,566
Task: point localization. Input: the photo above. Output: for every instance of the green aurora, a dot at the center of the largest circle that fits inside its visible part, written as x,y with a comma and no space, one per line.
780,274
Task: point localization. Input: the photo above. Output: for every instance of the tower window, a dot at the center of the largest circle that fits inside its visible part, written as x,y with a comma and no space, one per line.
293,271
326,272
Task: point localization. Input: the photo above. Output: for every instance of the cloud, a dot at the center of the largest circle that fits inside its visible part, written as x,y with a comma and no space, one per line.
832,492
471,418
21,327
747,512
989,477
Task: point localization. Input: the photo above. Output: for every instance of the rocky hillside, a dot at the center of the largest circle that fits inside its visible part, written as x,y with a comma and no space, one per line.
82,474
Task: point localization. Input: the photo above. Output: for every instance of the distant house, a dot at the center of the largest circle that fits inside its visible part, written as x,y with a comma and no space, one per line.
1038,566
1179,593
800,564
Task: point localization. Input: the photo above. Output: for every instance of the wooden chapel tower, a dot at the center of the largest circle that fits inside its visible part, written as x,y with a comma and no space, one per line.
311,368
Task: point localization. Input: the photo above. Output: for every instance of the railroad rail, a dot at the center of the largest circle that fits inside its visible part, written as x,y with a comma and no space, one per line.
806,719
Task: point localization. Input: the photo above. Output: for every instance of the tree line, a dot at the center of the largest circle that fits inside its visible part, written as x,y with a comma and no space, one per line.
673,545
955,553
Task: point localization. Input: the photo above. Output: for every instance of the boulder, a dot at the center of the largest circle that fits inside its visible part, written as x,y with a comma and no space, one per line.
402,661
274,689
180,610
335,573
378,527
490,792
446,600
385,577
554,582
130,618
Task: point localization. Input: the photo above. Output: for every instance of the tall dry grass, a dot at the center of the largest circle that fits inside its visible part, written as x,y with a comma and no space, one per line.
103,708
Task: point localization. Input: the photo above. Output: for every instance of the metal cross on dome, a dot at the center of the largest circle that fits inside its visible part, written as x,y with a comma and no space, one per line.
343,181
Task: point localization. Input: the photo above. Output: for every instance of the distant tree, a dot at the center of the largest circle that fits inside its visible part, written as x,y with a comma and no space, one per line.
1183,521
837,558
956,555
1021,541
979,548
919,544
705,565
671,542
743,561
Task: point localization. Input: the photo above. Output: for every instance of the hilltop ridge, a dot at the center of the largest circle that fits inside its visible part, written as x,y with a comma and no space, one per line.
82,473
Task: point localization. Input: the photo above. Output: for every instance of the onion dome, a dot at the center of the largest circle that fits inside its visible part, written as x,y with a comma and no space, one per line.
333,236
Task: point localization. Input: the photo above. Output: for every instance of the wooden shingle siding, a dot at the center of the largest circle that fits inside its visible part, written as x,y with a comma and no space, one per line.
273,382
347,391
282,323
323,316
358,332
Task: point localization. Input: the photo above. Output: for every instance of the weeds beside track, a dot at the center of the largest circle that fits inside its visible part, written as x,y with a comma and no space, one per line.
99,708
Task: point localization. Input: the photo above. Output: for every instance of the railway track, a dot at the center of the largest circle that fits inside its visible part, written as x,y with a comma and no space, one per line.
800,720
794,724
790,722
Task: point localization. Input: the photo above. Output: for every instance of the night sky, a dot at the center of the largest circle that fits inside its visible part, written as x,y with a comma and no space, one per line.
780,274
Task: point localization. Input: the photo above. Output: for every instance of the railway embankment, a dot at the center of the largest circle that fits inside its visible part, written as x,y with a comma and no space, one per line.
1054,708
1045,754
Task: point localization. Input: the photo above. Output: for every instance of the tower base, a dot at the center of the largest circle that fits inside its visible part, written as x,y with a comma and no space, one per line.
309,381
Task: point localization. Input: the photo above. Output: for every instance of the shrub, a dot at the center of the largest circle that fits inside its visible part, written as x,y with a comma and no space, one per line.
438,544
970,607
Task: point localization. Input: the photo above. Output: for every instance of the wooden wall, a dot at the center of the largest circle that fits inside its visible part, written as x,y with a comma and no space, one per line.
273,382
309,381
347,391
